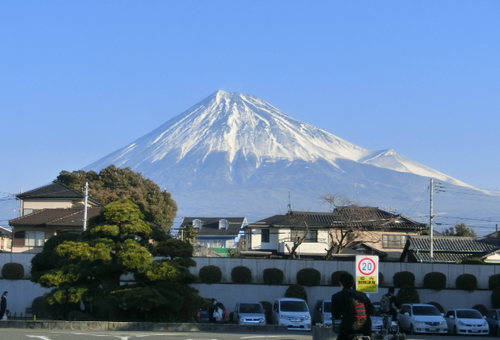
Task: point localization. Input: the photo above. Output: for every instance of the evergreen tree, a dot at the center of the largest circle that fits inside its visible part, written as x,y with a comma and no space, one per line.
460,229
114,184
120,242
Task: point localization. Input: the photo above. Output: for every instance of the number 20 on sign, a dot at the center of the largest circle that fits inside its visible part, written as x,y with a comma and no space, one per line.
367,273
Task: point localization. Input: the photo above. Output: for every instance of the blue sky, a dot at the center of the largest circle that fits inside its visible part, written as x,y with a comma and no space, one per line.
80,79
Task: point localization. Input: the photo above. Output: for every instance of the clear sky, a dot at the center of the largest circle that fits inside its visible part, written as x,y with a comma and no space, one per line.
80,79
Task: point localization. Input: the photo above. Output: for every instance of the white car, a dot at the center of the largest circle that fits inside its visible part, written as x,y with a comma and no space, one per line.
421,318
293,313
466,321
249,313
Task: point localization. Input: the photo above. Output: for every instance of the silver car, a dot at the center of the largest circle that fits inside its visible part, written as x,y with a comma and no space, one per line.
249,313
493,319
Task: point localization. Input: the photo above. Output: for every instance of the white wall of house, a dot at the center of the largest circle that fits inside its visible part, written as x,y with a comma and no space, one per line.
21,295
46,204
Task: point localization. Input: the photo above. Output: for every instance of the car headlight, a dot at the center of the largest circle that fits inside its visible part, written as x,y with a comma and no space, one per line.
442,323
485,323
307,317
283,317
262,320
242,320
461,323
419,322
328,317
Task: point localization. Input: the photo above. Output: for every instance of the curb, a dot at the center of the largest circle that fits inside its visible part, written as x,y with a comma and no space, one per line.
138,326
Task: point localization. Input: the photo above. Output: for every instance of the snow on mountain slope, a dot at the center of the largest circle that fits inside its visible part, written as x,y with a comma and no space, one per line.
245,126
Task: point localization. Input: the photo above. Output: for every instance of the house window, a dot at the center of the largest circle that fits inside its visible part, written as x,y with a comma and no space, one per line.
312,235
223,224
19,237
34,238
393,241
265,236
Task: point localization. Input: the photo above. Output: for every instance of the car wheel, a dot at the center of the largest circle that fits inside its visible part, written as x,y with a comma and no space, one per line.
455,332
412,331
497,331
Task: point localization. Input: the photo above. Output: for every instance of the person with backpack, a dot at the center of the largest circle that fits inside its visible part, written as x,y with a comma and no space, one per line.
353,307
387,302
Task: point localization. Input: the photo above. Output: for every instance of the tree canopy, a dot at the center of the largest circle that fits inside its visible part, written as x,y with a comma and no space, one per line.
460,229
119,242
114,184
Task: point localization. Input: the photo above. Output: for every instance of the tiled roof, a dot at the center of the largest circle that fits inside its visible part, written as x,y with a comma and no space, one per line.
55,217
210,226
55,191
367,217
439,257
455,243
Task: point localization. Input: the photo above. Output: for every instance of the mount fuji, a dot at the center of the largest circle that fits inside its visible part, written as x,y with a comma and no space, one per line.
234,154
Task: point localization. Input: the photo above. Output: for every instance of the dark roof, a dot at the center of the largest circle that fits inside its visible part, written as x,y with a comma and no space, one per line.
55,191
210,226
367,217
449,248
55,217
5,232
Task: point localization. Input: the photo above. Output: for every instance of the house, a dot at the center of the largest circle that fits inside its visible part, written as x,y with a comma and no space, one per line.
378,232
451,249
215,232
47,211
5,239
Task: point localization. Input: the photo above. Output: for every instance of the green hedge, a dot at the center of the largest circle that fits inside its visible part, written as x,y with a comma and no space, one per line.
309,277
401,279
241,274
296,291
273,276
494,281
210,274
408,294
435,281
495,298
466,282
13,271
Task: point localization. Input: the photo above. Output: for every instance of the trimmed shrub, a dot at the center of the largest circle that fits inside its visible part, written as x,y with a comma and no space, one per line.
13,271
494,281
481,309
408,294
435,281
401,279
268,309
495,298
336,277
309,277
241,274
296,291
210,274
466,282
380,278
438,306
273,276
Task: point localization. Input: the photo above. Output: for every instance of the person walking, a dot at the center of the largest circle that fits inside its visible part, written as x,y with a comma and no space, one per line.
3,304
353,307
388,302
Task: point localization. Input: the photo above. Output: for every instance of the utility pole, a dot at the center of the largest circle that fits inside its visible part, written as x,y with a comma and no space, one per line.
85,206
431,258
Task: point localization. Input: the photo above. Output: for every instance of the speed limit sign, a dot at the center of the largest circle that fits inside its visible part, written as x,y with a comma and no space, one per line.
367,273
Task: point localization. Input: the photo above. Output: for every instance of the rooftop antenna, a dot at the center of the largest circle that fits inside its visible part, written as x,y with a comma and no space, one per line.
289,206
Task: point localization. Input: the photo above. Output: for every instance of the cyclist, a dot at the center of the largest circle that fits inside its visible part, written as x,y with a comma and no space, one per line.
355,319
387,302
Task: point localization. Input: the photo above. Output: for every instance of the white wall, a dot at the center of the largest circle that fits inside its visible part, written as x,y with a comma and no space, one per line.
21,294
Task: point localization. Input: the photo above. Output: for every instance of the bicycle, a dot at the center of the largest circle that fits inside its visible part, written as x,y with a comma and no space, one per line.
390,330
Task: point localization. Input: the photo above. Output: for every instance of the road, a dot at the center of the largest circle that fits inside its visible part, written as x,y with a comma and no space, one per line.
26,334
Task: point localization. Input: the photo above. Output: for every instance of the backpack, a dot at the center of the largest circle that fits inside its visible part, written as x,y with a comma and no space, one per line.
358,310
385,303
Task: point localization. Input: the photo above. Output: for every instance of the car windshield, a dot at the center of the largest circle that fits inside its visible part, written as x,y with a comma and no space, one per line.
327,306
251,308
468,314
425,310
293,306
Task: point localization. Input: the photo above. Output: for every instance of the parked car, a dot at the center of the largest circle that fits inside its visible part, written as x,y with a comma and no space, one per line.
466,321
202,315
293,313
249,313
421,318
322,312
493,319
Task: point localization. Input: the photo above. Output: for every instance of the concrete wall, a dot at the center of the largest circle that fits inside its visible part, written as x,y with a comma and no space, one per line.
21,294
229,294
326,268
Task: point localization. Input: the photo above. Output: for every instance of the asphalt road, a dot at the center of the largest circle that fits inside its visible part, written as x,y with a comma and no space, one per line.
26,334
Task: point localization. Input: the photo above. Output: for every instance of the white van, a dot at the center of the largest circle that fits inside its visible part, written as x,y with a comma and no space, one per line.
293,313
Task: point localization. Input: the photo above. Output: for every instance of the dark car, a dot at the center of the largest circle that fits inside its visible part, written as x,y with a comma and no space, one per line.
223,315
